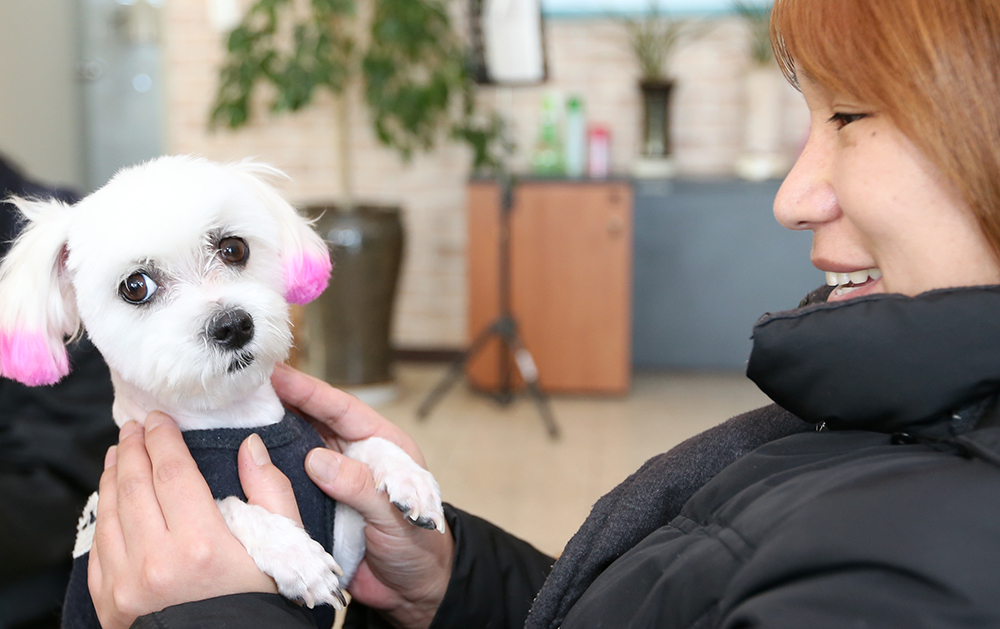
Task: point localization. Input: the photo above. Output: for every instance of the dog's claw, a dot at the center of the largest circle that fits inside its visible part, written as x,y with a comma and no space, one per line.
403,507
337,570
425,523
414,517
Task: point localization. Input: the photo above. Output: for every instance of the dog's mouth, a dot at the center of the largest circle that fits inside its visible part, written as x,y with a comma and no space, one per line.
241,362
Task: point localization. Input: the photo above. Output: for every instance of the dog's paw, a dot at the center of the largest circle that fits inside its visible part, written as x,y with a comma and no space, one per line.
411,488
299,565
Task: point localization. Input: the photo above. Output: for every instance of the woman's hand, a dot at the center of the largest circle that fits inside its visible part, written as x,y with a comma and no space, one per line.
160,539
406,569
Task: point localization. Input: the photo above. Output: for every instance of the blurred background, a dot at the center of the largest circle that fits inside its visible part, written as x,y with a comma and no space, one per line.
646,156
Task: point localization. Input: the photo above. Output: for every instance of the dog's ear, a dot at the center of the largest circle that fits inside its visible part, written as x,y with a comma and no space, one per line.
305,255
37,305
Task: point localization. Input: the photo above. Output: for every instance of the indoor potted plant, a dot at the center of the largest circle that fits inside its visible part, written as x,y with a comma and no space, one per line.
652,38
408,61
762,157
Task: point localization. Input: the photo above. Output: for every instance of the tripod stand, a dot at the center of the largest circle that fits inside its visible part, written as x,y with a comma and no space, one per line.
505,329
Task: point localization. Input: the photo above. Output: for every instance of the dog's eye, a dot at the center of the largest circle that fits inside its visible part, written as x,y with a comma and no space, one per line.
137,288
234,250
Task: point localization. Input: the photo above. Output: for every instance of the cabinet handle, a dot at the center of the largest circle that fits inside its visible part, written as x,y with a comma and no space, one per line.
615,225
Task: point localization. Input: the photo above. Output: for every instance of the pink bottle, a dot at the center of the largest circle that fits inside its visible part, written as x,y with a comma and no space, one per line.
599,152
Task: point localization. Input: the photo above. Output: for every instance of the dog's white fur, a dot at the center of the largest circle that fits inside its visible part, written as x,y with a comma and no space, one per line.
165,220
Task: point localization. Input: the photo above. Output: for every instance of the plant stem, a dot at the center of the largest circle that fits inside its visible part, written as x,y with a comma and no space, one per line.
343,110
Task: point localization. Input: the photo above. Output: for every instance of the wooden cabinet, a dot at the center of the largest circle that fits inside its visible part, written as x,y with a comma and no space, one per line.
571,277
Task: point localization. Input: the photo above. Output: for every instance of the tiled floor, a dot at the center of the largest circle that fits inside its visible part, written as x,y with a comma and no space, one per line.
499,463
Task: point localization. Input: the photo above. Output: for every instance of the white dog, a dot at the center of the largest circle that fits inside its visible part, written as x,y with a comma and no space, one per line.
181,271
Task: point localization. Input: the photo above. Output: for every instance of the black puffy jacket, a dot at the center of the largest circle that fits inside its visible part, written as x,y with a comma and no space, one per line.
52,445
886,514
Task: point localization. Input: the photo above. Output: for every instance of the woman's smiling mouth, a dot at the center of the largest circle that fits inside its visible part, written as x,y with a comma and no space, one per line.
848,283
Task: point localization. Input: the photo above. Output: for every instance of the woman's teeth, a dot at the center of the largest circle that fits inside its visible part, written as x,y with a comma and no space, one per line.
849,281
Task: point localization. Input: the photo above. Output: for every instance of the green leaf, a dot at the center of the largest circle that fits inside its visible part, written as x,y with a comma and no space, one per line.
412,69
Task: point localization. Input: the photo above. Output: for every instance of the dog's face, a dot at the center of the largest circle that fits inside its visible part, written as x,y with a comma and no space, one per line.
179,282
180,271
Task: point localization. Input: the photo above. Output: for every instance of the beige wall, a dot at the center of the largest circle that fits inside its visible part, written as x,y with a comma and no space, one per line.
586,56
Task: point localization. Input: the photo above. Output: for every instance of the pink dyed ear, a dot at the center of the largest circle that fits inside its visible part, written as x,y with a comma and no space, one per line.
306,277
27,358
305,255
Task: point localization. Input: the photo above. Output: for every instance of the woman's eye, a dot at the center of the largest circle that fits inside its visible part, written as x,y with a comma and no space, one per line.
841,120
234,250
137,288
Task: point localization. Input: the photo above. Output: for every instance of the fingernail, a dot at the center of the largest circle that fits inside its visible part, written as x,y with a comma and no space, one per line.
128,429
258,451
323,465
111,457
153,420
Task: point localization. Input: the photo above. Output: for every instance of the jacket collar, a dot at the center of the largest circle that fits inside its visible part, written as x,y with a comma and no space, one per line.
886,363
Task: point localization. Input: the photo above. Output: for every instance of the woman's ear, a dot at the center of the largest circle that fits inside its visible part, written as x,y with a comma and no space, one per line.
304,254
37,304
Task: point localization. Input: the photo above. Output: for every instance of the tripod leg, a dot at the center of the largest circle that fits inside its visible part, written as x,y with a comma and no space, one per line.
529,373
454,373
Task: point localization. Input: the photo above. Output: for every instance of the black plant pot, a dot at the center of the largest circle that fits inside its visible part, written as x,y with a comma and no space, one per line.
350,324
656,139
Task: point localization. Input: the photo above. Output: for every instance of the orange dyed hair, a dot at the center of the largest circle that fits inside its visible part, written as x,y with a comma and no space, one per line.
931,66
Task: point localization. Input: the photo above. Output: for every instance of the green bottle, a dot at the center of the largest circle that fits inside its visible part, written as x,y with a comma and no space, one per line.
547,158
575,144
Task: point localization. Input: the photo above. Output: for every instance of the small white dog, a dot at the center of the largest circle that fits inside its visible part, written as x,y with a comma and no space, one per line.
181,271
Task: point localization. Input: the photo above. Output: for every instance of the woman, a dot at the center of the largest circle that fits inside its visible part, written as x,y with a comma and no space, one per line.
883,513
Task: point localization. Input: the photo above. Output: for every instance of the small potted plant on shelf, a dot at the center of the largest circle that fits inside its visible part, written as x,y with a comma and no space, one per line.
410,65
762,157
653,38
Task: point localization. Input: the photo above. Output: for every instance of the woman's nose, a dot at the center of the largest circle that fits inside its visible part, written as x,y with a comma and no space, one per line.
806,198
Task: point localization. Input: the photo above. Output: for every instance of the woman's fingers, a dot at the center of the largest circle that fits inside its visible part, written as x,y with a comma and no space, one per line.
325,403
406,569
137,505
181,492
108,539
107,507
348,418
160,538
263,483
349,481
95,576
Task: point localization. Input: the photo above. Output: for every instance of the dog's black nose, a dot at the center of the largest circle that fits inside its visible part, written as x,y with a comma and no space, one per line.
231,329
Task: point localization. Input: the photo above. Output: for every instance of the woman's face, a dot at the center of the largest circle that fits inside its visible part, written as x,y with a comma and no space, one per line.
883,218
